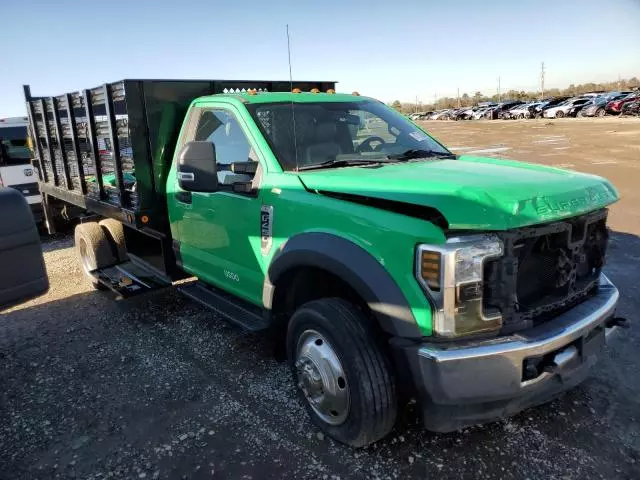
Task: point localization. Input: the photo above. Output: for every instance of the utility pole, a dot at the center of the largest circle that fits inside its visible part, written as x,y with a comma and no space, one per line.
542,81
458,97
416,103
498,89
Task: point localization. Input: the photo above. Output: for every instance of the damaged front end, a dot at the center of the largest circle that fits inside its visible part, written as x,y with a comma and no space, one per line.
545,270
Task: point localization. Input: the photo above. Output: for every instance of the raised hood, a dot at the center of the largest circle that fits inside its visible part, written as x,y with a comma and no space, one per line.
473,192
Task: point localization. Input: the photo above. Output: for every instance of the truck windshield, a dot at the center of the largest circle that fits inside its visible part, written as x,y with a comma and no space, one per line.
13,146
332,133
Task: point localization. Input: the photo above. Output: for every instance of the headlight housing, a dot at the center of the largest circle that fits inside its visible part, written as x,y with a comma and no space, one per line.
452,277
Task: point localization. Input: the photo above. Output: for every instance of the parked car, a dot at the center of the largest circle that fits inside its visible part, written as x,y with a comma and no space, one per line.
631,108
497,111
615,95
564,108
615,107
550,103
597,106
442,115
578,106
479,113
464,114
436,114
526,110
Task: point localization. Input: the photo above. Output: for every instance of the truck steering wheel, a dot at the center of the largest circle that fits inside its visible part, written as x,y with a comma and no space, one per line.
365,146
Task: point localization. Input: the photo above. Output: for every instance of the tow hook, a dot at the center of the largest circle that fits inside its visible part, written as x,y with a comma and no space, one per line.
618,322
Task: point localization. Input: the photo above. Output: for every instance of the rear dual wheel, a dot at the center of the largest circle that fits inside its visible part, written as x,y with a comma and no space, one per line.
343,376
99,245
93,250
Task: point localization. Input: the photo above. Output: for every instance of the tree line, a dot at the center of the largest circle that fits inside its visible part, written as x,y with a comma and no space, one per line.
467,100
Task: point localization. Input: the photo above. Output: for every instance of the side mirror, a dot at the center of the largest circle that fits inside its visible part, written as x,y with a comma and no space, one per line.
197,170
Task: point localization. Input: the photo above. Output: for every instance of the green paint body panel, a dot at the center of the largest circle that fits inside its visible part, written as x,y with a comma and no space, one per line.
219,233
475,193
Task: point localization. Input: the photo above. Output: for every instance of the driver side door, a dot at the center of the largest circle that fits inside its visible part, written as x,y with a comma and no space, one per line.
219,231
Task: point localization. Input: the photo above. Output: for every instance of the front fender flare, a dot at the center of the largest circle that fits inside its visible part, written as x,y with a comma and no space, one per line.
355,266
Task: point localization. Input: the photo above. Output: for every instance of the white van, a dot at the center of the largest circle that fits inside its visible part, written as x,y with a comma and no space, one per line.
16,170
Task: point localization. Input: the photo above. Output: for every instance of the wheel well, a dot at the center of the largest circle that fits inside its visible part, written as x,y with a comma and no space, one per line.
304,284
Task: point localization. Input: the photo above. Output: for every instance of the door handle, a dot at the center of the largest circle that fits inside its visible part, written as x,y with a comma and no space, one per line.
183,197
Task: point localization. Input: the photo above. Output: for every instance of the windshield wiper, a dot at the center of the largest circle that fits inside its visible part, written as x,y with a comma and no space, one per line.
413,154
343,163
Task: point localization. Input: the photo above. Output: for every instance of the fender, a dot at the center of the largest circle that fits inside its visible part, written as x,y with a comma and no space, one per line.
355,266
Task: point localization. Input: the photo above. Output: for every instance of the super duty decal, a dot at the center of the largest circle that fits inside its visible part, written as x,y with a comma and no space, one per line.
266,228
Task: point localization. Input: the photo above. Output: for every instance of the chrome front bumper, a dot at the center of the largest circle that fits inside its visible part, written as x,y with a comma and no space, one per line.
483,380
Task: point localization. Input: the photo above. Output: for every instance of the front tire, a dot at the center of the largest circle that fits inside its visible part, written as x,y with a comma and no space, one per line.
559,114
601,113
343,377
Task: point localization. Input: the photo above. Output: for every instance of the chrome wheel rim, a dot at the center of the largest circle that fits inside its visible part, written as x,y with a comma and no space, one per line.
321,378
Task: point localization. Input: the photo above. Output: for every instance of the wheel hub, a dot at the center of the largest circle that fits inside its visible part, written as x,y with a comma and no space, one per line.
321,378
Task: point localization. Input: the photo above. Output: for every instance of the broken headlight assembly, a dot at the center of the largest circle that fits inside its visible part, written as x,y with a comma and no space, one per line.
451,275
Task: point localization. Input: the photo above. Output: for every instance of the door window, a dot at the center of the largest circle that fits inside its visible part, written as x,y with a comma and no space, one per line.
221,127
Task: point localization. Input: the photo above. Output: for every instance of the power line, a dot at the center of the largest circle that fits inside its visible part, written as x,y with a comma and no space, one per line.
542,81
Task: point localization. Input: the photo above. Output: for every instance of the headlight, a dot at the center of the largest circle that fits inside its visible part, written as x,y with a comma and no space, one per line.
452,276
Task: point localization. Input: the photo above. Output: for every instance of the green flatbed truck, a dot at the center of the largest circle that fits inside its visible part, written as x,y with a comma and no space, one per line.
385,267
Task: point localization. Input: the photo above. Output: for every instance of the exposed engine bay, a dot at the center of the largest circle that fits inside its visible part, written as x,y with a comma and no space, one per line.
545,270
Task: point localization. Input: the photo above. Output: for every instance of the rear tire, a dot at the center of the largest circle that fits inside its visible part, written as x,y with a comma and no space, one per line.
93,250
114,230
354,400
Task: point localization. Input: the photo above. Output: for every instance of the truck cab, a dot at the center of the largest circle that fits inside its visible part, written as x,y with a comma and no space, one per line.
384,266
16,170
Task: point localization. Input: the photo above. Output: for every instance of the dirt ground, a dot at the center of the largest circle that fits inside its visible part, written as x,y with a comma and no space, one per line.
158,387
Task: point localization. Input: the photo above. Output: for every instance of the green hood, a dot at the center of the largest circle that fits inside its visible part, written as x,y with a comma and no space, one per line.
473,192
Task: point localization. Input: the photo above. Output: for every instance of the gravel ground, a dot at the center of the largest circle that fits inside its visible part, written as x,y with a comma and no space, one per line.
158,387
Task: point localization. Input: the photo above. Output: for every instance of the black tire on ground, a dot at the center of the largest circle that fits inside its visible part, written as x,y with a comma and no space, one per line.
559,114
93,250
114,230
601,112
372,409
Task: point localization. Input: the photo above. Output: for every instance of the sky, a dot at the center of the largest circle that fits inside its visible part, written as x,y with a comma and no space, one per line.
391,50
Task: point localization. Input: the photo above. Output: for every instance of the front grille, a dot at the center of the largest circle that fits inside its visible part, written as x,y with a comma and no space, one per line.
545,270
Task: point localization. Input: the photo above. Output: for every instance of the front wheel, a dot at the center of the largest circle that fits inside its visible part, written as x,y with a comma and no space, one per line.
600,113
343,377
559,114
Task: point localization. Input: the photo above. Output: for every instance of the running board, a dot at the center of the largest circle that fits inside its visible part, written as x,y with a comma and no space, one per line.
129,279
235,310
